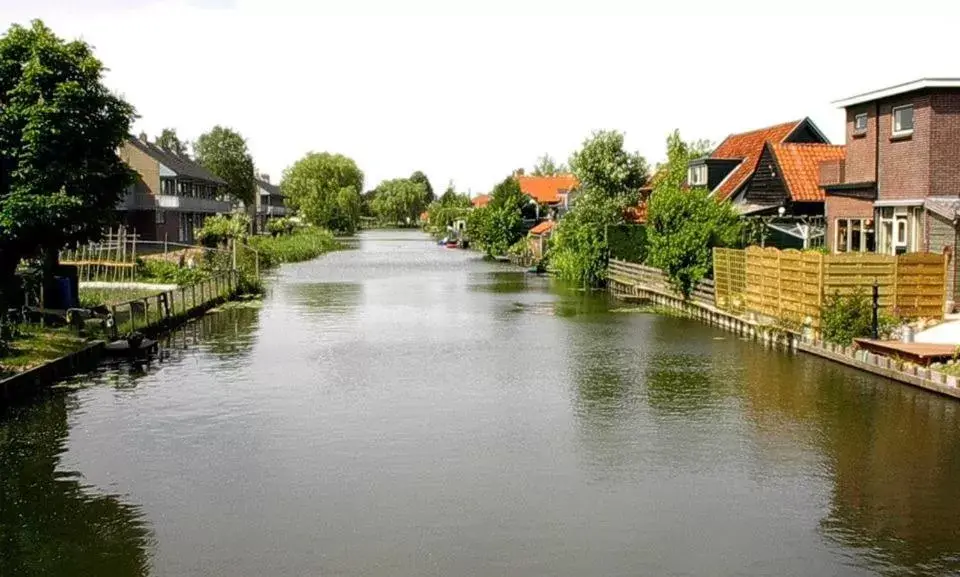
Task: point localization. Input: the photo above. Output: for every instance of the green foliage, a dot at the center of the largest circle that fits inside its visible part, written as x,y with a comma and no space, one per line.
60,128
167,272
421,178
281,226
325,188
168,140
399,201
219,229
224,152
684,225
305,243
627,242
498,225
603,165
846,317
449,208
609,181
547,166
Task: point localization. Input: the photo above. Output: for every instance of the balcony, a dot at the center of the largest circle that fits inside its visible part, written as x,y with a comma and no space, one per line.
273,210
140,201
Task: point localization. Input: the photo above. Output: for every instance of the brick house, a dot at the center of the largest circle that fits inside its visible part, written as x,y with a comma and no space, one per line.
554,192
898,188
771,172
172,195
270,202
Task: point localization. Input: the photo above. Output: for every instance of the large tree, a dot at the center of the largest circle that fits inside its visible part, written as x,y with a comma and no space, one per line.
500,224
325,188
168,140
684,225
547,166
610,178
223,152
400,201
60,128
421,178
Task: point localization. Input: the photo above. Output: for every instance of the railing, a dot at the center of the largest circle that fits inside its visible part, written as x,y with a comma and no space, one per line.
141,201
147,312
274,210
633,274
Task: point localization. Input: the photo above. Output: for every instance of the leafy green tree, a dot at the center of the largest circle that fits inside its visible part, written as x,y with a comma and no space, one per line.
314,185
421,178
610,178
168,140
223,152
399,201
684,224
499,224
450,207
60,128
547,166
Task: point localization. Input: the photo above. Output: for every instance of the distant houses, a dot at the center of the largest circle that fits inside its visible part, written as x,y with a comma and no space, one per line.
270,202
172,195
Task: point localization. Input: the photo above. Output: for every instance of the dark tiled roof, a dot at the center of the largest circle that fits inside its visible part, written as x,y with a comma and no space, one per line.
747,146
271,188
178,164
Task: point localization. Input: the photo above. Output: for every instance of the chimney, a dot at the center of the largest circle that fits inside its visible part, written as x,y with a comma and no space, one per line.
518,172
265,177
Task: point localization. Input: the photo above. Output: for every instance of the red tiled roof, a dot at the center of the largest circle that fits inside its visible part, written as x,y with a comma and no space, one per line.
543,227
636,214
481,201
747,146
424,216
800,165
547,189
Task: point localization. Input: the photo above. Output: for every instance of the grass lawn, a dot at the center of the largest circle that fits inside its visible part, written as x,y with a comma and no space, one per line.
36,346
90,297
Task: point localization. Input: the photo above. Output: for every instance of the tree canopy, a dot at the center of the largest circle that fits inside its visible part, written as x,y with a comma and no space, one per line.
60,129
325,188
547,166
450,207
421,178
499,224
685,224
399,201
610,179
168,140
224,152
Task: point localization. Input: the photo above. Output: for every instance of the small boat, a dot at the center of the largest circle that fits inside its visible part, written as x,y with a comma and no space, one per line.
451,244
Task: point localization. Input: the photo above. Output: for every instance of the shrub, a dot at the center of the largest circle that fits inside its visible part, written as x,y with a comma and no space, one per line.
847,317
219,229
627,242
281,226
304,244
167,272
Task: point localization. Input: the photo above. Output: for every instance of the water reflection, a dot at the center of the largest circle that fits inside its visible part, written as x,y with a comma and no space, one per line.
50,522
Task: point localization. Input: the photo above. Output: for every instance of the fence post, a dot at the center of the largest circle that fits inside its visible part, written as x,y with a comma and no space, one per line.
133,317
146,312
896,285
821,286
115,328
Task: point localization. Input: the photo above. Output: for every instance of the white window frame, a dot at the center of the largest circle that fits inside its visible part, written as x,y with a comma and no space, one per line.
893,121
856,119
697,175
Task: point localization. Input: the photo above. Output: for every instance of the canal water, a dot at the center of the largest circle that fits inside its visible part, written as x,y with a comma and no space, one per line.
403,409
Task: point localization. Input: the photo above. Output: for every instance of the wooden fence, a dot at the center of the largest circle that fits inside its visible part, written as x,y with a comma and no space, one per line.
792,285
630,274
148,312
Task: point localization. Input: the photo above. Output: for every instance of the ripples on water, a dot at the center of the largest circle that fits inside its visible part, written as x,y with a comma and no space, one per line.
401,409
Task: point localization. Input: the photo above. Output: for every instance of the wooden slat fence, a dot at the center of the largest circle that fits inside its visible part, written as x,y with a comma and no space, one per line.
142,313
792,285
633,274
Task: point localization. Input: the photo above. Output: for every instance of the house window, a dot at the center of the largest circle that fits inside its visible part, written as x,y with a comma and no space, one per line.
860,123
903,120
160,217
901,229
697,175
855,235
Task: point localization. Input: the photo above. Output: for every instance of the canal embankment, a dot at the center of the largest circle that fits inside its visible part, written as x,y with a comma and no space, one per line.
639,283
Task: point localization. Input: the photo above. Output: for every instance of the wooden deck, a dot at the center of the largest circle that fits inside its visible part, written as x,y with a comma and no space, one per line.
919,353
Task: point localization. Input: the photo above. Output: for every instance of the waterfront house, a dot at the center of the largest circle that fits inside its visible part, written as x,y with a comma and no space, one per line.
539,236
771,173
172,195
480,201
555,192
270,202
897,189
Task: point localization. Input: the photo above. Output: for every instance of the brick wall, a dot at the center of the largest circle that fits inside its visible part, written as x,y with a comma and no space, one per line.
945,144
844,207
905,162
861,148
942,235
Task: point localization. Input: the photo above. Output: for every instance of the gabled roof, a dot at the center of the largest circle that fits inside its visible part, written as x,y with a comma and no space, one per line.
181,165
547,189
543,227
800,167
267,187
659,174
921,84
748,146
481,201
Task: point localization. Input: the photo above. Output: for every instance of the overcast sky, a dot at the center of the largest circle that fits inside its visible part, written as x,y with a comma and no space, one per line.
470,90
